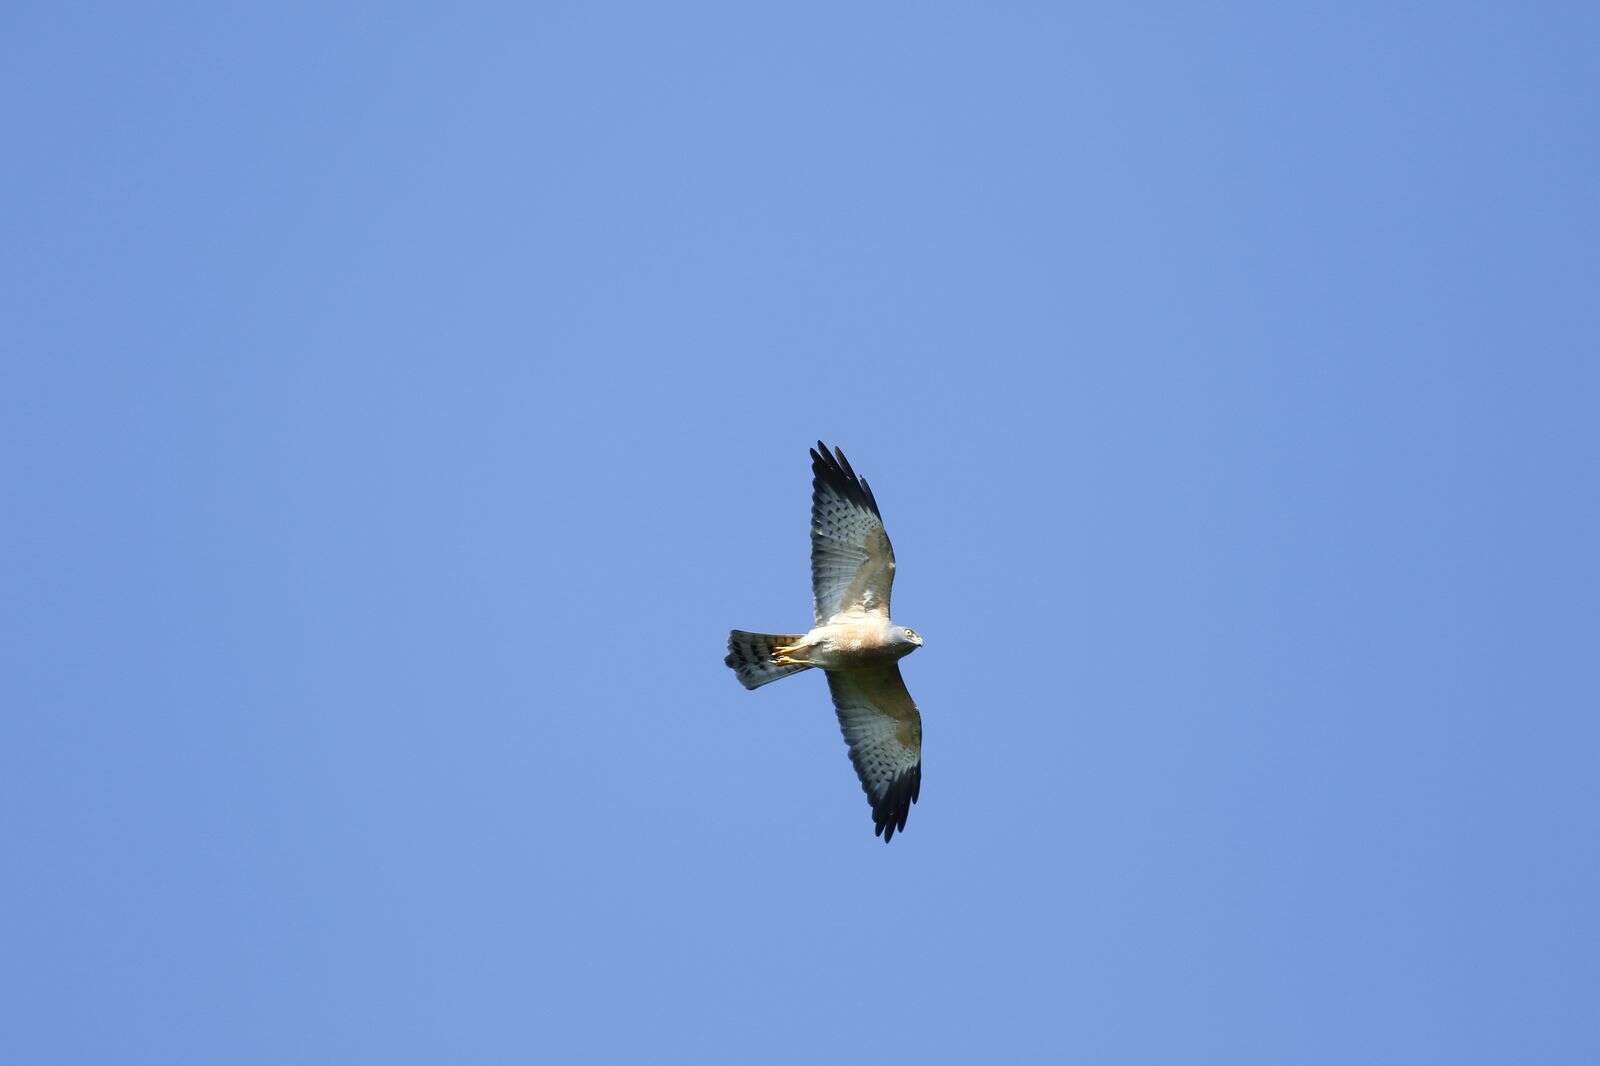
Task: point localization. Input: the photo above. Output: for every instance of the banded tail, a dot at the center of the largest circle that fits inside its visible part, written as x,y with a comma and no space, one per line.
750,656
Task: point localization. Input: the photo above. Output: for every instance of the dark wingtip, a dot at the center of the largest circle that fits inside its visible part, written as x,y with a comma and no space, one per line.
890,813
867,491
834,470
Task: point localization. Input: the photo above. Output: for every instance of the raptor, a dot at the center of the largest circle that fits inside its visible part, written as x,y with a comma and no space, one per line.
852,640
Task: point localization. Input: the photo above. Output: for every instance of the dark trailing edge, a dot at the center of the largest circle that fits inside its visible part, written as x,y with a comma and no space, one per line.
890,813
834,472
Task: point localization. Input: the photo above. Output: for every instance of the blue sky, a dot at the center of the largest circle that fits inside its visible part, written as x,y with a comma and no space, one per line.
399,407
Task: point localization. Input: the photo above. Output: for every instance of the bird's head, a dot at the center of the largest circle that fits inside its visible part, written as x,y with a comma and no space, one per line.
910,639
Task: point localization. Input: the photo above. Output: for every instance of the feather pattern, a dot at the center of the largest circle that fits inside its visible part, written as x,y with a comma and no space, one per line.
884,731
852,561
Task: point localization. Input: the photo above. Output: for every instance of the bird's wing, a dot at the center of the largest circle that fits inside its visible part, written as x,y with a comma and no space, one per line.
884,731
852,561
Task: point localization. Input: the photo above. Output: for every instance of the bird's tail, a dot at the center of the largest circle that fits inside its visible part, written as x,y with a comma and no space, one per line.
750,656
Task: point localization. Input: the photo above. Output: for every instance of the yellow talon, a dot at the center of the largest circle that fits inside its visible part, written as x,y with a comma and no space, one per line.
782,655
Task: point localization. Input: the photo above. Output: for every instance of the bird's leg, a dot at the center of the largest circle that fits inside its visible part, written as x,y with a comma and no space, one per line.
782,655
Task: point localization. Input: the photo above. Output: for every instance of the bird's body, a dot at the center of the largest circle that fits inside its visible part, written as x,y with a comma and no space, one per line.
852,639
847,641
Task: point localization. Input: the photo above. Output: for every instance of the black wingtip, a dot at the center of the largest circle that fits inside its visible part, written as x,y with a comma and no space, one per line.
871,499
889,814
833,470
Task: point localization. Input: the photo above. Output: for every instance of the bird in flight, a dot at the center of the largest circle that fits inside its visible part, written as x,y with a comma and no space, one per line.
851,640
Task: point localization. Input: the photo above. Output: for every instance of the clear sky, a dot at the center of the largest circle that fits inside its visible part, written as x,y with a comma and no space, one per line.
400,406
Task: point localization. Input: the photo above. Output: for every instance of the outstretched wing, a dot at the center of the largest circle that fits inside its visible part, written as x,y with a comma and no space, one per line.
884,731
852,561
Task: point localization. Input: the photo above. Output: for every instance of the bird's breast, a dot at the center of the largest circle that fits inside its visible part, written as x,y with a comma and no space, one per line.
853,642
